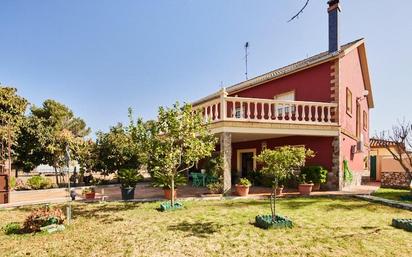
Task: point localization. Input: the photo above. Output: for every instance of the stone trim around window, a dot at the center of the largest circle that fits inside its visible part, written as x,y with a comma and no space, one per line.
349,102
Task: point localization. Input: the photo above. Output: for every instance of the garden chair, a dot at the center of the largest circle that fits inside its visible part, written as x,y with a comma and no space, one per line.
197,179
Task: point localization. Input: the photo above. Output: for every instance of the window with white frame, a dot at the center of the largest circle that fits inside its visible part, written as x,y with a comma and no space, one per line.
240,112
282,108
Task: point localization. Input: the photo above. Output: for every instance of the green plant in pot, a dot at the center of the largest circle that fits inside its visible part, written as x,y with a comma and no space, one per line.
305,185
89,193
163,181
317,174
280,163
280,185
128,180
242,188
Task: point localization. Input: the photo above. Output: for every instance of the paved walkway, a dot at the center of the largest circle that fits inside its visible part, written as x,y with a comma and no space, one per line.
145,192
388,202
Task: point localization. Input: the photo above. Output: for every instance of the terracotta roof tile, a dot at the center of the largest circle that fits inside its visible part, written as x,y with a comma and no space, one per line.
318,58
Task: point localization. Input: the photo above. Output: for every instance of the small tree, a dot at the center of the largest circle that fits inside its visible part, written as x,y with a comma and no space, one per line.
175,141
12,108
116,150
398,142
280,163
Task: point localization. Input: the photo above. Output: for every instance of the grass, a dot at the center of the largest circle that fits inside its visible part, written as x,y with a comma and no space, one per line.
323,227
393,194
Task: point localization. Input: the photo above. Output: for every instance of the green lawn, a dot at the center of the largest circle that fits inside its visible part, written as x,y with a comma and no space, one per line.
324,227
393,194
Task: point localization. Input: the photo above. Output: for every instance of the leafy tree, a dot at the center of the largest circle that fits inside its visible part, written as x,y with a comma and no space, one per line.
87,155
143,132
63,129
280,163
175,141
31,144
12,109
116,150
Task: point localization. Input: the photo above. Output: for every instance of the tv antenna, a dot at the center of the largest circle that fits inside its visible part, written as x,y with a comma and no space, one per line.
246,54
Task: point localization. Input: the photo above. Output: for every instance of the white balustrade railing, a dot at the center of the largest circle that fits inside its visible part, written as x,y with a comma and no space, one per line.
267,110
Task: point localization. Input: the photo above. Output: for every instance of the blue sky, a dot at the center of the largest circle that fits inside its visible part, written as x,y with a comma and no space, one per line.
100,57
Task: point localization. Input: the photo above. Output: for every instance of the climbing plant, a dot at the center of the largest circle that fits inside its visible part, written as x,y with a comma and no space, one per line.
347,173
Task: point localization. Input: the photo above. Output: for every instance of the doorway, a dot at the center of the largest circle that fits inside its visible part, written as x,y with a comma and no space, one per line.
246,161
373,168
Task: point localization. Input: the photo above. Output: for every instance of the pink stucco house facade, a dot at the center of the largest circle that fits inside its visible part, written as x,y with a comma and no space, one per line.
321,102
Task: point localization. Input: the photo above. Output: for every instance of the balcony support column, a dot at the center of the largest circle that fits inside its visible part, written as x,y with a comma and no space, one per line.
335,176
223,107
226,153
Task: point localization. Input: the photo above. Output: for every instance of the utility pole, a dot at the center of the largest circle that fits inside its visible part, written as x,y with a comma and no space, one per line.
69,207
246,54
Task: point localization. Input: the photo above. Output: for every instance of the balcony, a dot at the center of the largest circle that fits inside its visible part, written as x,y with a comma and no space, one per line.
246,110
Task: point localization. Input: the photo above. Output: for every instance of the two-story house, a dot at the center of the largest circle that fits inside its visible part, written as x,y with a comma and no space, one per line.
321,102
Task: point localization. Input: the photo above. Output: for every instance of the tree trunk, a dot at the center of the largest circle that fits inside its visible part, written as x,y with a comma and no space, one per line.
172,201
57,176
273,200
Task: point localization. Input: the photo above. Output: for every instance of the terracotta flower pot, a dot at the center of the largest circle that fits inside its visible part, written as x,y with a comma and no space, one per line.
168,193
279,190
316,187
242,190
90,196
305,189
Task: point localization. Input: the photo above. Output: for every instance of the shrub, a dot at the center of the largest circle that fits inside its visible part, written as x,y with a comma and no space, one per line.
215,187
12,228
18,184
162,180
43,217
257,178
214,165
244,182
129,177
12,182
39,182
88,190
316,174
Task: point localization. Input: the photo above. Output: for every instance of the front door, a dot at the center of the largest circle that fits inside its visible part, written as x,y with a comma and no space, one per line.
373,168
247,163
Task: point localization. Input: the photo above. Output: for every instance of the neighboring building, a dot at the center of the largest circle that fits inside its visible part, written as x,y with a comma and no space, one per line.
384,167
321,102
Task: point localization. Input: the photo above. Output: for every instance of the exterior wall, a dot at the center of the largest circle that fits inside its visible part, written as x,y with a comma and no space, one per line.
322,146
350,76
309,85
395,180
385,163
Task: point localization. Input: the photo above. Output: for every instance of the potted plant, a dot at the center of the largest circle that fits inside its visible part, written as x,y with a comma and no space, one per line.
242,188
316,174
305,186
279,189
89,193
128,180
162,180
215,188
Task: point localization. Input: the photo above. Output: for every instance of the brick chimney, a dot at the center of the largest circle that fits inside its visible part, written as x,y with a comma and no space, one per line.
333,11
